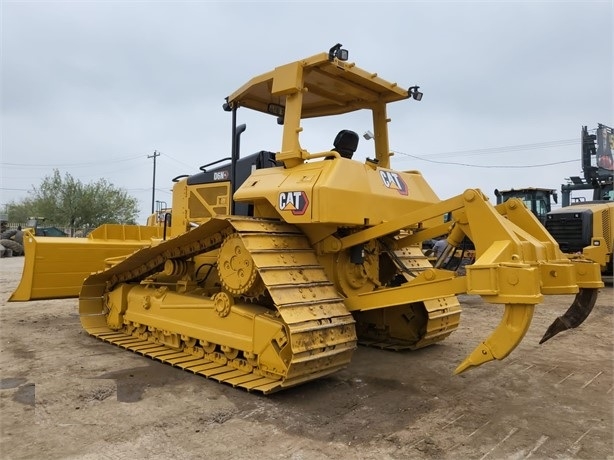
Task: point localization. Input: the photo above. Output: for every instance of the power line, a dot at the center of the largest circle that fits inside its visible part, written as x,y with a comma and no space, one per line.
91,163
57,165
502,149
495,151
15,189
166,155
487,166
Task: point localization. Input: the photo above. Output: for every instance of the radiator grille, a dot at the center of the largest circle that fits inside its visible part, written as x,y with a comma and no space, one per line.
605,219
571,230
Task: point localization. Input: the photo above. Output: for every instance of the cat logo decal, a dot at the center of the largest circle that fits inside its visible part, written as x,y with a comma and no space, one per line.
296,202
393,181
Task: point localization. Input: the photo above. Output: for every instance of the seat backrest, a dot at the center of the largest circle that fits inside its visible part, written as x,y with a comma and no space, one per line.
346,143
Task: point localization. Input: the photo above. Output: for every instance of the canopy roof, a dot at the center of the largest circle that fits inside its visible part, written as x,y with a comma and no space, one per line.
331,87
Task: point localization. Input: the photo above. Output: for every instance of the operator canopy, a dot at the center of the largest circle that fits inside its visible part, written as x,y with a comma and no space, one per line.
331,86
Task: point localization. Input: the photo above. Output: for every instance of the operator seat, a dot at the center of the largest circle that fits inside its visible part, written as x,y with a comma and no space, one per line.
346,143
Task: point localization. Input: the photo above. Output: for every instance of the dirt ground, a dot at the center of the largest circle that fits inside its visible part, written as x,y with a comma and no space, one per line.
66,395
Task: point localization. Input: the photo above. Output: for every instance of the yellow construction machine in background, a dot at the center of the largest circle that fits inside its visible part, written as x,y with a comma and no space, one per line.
271,267
581,227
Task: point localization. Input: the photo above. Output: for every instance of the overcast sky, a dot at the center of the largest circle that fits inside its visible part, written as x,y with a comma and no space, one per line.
93,88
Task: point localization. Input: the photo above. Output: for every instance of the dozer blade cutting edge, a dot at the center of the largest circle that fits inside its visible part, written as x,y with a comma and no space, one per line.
55,267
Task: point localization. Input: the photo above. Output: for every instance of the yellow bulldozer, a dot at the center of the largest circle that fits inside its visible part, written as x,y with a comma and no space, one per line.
269,269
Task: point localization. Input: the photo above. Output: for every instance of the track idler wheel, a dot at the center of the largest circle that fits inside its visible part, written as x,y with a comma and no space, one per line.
576,314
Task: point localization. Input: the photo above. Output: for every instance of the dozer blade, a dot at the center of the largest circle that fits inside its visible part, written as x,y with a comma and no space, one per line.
508,334
576,314
55,267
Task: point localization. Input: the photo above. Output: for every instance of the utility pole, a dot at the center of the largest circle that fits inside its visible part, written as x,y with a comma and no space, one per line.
153,187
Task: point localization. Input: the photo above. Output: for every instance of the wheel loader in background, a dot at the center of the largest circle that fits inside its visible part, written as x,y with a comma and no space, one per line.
273,266
538,200
581,226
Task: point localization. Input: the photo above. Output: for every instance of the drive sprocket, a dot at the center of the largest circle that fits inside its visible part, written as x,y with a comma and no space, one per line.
237,270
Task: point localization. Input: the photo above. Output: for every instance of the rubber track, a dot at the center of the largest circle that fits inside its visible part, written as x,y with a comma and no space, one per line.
321,329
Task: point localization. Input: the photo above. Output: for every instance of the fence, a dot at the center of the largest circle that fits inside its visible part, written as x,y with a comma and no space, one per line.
78,233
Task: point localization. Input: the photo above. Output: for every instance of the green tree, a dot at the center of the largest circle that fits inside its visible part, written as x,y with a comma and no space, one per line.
20,211
66,201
